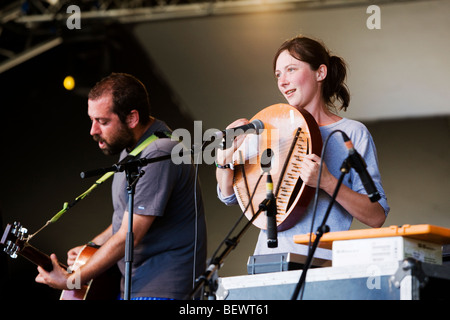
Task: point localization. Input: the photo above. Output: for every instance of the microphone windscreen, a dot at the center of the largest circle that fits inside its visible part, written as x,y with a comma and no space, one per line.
259,125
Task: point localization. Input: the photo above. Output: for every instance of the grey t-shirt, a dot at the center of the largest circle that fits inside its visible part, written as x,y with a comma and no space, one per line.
163,261
339,219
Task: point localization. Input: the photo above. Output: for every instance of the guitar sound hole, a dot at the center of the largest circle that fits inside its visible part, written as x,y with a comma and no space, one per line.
296,190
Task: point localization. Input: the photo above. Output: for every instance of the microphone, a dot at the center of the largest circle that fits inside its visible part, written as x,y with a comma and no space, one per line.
254,125
357,162
272,234
269,204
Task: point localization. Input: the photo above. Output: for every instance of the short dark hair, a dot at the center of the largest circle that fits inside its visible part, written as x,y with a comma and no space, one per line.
128,93
315,54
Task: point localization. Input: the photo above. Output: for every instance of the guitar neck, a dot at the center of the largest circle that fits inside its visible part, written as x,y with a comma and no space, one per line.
37,257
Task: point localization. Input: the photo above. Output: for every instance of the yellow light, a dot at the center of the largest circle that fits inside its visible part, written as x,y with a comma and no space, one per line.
69,83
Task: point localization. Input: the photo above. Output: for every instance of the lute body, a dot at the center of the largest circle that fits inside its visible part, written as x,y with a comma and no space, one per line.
290,134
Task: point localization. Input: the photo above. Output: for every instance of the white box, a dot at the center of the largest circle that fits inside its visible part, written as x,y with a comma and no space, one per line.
385,249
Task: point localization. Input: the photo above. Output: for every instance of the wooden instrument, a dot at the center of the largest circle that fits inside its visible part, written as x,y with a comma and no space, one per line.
290,134
105,287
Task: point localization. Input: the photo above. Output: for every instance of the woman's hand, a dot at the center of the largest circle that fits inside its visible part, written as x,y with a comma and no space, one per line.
310,173
225,156
357,204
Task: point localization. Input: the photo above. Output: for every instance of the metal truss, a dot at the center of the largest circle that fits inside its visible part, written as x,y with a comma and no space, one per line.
30,27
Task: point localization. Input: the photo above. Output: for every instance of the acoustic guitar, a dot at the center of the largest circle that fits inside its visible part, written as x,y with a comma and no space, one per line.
105,287
290,135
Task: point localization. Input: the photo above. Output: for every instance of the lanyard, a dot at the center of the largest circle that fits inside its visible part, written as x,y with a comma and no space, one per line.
102,179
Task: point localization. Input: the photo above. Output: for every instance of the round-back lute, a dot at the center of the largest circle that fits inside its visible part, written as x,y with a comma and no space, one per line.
290,134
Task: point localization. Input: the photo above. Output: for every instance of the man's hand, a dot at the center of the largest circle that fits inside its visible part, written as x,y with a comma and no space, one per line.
57,278
72,255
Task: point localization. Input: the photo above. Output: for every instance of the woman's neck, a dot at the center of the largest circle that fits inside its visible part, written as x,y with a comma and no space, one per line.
322,115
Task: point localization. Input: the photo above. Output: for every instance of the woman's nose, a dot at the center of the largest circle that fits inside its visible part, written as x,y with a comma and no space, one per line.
282,80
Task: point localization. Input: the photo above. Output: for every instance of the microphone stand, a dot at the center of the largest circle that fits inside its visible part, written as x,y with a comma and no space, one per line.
119,167
132,175
323,228
231,244
267,205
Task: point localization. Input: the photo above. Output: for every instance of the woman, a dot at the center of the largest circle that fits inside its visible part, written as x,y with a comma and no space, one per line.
313,80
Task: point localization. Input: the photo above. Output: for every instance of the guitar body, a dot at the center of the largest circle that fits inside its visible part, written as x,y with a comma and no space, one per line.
104,287
81,291
290,134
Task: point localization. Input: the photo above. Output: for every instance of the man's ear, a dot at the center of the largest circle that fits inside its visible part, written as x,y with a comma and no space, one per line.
133,119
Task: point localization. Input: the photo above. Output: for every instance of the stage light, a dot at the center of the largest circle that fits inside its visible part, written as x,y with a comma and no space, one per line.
69,83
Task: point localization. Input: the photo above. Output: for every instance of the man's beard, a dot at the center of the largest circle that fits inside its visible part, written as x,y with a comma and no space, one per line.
123,139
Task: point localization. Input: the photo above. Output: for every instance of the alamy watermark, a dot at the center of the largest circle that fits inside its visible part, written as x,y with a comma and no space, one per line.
203,146
374,277
73,282
74,20
374,20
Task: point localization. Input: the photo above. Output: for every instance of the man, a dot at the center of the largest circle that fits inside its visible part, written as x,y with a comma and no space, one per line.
168,226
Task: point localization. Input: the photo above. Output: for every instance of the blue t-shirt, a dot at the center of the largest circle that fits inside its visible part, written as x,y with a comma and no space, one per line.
339,219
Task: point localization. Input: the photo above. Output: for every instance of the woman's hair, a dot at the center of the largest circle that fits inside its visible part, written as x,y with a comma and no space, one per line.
315,54
127,92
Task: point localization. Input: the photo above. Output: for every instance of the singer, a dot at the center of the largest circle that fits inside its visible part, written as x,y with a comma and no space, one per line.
312,79
169,234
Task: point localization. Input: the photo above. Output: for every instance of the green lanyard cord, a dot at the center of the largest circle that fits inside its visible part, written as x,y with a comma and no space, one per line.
106,176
